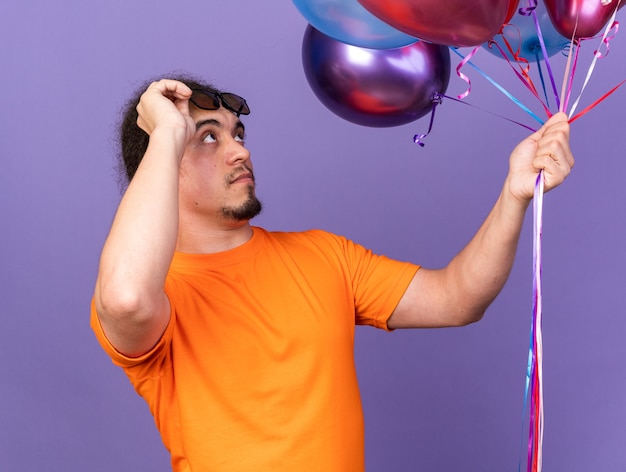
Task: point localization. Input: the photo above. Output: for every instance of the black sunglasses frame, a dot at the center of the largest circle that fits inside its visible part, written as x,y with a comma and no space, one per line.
230,101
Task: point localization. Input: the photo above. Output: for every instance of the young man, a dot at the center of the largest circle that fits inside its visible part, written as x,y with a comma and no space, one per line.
241,340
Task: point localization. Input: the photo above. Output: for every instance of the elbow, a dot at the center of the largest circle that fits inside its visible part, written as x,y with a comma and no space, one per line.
133,321
120,303
465,318
474,318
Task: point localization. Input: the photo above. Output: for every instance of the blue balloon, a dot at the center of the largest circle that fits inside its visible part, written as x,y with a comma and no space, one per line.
349,22
521,33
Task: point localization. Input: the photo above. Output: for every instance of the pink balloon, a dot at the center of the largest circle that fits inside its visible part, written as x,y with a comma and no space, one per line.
375,87
591,16
449,22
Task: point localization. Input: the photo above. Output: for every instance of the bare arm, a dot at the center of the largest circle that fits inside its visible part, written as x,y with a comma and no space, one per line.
129,296
461,292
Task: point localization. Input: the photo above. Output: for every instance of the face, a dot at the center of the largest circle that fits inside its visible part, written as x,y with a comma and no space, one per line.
216,175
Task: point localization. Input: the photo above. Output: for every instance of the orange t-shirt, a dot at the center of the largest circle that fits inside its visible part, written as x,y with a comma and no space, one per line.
255,371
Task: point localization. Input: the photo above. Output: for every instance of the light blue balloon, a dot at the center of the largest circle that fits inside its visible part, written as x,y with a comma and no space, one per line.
521,32
349,22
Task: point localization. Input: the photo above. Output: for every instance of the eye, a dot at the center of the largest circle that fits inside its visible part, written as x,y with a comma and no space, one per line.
209,138
240,138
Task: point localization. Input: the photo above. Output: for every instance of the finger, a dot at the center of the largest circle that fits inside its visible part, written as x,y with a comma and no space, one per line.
554,160
557,122
183,106
556,138
558,117
554,174
550,147
177,91
550,161
556,146
171,88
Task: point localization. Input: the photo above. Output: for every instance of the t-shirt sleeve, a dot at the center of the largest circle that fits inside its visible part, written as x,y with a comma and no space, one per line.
134,366
378,283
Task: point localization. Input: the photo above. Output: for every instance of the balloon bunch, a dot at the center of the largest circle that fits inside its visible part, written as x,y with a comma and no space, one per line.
537,31
387,62
543,29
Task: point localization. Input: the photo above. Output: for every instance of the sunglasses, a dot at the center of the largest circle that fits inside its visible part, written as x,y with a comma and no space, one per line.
210,100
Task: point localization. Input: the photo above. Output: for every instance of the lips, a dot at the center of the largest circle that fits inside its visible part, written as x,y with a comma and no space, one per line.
241,177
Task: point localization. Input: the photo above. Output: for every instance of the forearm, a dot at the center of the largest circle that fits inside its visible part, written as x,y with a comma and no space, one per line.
139,248
477,274
461,292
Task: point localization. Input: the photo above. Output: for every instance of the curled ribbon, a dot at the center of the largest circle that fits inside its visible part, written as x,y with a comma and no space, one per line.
417,139
532,6
499,87
464,61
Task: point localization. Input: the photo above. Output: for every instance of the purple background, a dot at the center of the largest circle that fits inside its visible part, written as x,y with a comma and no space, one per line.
435,400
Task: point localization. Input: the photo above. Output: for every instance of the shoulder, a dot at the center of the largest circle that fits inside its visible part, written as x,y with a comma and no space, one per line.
310,237
317,243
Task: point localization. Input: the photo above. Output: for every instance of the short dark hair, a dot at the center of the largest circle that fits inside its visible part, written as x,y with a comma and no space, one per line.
132,140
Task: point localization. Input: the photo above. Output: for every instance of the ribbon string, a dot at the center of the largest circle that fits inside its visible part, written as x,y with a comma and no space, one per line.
499,87
610,25
534,371
533,410
417,139
526,80
532,7
562,99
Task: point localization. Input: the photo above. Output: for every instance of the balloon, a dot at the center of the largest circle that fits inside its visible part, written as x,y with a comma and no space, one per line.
450,22
591,16
511,11
349,22
375,87
521,33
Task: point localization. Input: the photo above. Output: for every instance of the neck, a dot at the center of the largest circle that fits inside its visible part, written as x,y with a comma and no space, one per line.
213,239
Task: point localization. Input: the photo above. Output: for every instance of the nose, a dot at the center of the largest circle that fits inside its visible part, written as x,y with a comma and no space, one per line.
236,153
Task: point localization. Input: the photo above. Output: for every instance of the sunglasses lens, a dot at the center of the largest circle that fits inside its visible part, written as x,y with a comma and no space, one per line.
205,100
208,100
236,103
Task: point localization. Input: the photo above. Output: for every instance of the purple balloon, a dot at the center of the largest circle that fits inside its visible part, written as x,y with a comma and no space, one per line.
375,87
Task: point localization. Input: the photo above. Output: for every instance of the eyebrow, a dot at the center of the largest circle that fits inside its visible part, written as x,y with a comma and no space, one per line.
213,122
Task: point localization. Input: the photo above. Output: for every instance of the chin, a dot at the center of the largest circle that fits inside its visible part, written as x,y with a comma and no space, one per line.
246,211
